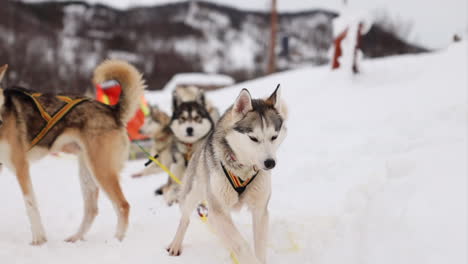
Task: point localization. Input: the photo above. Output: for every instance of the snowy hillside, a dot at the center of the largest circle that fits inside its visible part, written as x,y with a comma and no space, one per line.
161,40
373,171
65,40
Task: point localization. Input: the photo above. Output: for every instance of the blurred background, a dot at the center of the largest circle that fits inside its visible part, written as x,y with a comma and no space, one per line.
54,45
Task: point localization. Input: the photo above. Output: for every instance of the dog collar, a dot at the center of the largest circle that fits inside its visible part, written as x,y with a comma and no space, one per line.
233,157
233,160
162,138
237,183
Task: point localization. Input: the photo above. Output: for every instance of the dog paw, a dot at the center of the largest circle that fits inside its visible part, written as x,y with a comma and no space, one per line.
74,238
137,175
120,236
158,192
39,240
174,249
171,201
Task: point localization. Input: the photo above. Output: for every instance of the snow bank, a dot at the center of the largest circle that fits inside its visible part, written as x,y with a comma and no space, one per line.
203,79
373,171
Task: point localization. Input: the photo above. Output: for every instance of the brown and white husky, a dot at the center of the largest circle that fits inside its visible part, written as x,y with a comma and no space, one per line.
94,131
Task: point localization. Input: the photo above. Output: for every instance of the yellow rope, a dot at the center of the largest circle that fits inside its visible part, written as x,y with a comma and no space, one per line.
164,168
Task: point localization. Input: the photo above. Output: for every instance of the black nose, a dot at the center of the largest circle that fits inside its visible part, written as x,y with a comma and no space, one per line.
1,122
270,163
189,131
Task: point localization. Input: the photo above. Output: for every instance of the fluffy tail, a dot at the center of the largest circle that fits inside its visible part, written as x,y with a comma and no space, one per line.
131,81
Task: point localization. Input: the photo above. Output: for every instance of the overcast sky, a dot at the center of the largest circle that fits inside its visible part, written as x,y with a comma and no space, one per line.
433,21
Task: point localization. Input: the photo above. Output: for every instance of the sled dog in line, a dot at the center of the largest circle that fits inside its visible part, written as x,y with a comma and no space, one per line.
33,125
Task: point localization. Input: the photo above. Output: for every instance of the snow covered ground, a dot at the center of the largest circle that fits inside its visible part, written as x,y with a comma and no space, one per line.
373,171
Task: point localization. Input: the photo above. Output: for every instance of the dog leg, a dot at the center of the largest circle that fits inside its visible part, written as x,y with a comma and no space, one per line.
22,174
110,183
231,237
151,169
260,219
105,156
173,190
187,206
90,193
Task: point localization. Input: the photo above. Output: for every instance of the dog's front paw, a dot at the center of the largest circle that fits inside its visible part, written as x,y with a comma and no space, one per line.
171,198
120,236
171,202
137,175
174,249
159,191
74,238
38,240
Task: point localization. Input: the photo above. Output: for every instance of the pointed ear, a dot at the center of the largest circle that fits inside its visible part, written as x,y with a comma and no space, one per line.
201,98
275,99
154,110
175,101
3,70
243,104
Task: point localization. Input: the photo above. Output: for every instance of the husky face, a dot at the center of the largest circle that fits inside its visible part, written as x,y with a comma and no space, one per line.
190,122
258,130
157,121
2,98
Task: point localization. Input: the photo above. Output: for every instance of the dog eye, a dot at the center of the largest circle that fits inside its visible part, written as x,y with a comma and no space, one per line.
254,139
182,119
198,119
273,138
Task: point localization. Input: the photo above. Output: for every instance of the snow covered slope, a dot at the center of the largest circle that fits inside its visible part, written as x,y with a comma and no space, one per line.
373,171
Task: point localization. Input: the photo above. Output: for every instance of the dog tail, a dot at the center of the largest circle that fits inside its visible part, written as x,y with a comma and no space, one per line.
131,81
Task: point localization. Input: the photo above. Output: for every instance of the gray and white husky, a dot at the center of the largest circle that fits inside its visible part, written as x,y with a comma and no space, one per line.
232,168
190,125
176,137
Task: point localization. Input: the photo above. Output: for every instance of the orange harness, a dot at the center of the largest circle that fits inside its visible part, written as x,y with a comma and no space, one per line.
236,182
56,117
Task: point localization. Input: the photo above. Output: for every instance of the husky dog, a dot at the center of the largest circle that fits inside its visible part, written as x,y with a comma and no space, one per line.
94,131
176,138
190,124
232,168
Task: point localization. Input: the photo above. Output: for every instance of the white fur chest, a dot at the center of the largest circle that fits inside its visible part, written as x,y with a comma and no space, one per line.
223,191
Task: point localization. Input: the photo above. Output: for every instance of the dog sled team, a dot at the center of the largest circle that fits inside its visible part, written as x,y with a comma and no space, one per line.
224,161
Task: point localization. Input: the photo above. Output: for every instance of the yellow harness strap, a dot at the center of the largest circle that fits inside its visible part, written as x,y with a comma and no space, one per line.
52,120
